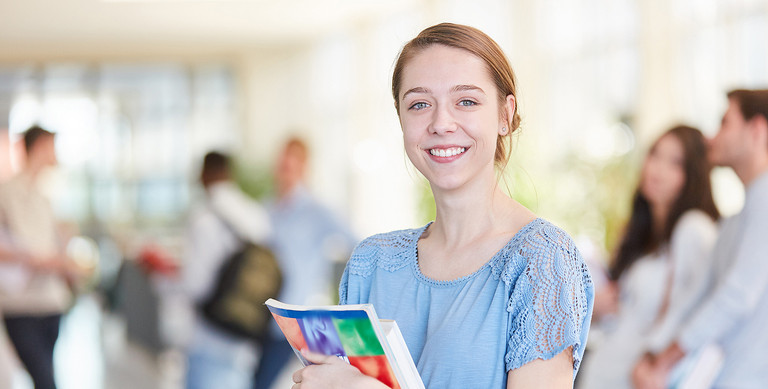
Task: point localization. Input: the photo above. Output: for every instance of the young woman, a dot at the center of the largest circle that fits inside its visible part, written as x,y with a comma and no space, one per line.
488,295
661,268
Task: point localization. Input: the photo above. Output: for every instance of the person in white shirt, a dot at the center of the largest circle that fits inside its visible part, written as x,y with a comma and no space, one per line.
35,296
734,314
658,273
216,358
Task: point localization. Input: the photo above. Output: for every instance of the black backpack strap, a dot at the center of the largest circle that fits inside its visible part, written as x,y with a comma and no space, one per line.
229,226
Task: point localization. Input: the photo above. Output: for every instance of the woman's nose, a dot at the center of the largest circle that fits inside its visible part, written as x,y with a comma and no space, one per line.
443,121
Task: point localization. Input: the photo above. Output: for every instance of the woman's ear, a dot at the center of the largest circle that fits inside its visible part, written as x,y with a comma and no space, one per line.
508,111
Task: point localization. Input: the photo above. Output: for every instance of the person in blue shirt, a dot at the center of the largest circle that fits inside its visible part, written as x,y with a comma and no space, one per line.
488,295
308,241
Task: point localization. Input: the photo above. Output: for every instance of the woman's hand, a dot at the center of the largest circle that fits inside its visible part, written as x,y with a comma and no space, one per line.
644,375
330,372
652,372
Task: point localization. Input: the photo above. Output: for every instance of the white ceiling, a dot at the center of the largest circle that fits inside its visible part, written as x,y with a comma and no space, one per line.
34,28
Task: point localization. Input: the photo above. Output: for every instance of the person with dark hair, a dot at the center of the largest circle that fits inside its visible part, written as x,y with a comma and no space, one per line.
217,358
660,270
488,295
734,314
32,305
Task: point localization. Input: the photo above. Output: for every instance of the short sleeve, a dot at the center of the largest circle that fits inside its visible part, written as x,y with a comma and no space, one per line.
550,306
344,287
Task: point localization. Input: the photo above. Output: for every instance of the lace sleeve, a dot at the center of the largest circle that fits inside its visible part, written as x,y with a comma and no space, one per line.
354,286
550,306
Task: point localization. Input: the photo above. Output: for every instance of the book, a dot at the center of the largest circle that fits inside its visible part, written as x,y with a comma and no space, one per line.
355,334
697,370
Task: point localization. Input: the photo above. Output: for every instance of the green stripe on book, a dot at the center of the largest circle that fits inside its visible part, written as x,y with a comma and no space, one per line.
358,337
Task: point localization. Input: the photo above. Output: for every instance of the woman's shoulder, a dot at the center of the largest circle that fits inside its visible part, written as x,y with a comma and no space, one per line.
539,244
696,222
542,237
694,229
694,217
389,251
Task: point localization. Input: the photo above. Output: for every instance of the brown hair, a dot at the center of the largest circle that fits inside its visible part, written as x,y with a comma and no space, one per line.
481,45
298,146
751,102
32,135
216,167
639,237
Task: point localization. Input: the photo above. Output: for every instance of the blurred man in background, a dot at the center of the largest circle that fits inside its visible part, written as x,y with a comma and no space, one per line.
307,240
35,291
218,359
735,314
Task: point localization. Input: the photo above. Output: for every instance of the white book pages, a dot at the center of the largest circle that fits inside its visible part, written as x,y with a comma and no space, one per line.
402,355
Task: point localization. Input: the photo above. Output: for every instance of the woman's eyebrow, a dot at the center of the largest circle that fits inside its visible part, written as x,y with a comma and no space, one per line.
418,89
457,88
462,88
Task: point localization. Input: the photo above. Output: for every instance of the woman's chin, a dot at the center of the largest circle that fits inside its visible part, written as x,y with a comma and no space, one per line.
446,184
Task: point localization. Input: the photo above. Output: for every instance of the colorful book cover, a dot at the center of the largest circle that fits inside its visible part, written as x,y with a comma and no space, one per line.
351,332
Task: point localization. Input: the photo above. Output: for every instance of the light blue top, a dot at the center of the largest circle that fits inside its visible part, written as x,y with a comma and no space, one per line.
532,300
735,314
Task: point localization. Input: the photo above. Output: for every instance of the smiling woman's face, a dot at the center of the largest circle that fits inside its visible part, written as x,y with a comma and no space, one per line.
449,112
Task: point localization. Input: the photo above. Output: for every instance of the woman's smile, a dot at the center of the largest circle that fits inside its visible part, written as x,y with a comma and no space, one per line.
445,154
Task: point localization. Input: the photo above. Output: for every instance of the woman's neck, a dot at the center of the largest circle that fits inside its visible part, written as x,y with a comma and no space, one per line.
659,215
467,213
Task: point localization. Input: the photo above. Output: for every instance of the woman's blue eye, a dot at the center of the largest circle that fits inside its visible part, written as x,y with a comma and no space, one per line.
419,105
467,103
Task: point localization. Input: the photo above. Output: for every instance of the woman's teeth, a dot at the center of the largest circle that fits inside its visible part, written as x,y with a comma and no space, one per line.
447,152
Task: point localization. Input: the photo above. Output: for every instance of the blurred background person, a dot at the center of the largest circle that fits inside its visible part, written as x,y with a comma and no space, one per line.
308,240
7,360
734,313
660,271
6,365
33,306
216,358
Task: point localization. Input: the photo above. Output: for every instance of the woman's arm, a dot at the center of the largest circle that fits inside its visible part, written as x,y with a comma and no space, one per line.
690,247
556,373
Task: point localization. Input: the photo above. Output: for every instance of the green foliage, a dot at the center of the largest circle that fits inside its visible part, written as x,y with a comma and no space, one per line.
255,181
426,205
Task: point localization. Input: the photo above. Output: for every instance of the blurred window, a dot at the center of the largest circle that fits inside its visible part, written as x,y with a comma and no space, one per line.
128,135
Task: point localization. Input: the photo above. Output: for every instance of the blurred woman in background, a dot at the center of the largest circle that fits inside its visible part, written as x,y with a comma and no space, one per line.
661,268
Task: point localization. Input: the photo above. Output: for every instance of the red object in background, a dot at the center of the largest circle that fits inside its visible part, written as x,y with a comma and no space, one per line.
155,260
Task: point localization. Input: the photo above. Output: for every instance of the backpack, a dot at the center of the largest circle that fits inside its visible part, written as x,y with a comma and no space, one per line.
248,277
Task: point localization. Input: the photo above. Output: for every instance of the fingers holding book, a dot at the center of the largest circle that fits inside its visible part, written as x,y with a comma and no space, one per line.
331,372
